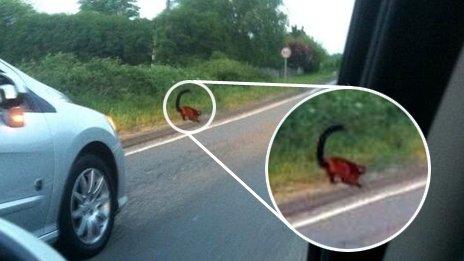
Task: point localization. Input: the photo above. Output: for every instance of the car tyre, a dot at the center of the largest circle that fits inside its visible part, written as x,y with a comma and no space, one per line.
78,212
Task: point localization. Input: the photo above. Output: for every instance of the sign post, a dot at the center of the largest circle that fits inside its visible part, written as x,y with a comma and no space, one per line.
286,53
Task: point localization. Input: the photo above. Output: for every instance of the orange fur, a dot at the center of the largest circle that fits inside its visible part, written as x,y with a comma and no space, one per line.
348,172
186,112
189,113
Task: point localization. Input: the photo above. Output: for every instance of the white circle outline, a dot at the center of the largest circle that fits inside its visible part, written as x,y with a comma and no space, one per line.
166,115
424,196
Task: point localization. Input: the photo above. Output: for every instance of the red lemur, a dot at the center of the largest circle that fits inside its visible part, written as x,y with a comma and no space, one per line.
187,113
347,171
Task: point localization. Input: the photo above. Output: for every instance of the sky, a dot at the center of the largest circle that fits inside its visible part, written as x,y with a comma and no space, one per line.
327,21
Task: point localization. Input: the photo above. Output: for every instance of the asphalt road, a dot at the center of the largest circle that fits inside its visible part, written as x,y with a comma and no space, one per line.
365,225
183,206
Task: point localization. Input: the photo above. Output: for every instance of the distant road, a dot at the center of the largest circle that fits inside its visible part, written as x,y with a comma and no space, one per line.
183,206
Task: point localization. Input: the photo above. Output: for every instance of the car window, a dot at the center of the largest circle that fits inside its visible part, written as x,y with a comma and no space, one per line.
4,80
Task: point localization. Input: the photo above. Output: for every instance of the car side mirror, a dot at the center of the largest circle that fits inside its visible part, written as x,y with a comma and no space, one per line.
8,94
2,97
13,114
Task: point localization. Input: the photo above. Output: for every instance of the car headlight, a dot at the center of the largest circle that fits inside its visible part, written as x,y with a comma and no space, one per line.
111,122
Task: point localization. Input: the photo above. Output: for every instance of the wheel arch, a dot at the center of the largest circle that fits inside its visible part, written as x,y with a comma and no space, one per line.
102,151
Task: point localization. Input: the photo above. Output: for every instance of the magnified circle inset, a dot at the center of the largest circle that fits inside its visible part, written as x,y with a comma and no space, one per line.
188,113
348,168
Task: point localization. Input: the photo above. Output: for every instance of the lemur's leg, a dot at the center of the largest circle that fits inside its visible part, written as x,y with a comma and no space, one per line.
332,178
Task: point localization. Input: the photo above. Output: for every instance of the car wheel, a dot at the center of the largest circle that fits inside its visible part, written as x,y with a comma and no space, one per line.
88,208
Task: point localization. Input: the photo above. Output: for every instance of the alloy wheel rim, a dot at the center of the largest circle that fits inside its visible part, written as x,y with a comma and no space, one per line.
90,206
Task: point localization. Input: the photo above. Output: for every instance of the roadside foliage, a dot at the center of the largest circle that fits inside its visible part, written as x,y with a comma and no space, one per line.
109,59
379,135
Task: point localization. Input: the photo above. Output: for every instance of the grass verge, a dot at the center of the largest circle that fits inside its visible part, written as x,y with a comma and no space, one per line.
379,135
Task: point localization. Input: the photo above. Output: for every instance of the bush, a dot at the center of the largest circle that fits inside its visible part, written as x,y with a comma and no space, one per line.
104,77
132,95
86,35
378,132
101,82
378,135
333,62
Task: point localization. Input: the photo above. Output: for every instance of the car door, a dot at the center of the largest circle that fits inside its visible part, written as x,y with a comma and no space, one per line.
27,166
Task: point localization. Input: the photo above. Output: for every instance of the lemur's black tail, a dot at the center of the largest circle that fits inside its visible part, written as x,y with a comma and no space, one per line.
179,95
322,140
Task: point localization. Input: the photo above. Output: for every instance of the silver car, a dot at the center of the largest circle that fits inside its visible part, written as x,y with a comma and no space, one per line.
61,166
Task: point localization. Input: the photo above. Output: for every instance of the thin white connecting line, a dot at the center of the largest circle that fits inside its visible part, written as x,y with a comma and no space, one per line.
334,212
311,220
322,216
227,169
251,191
268,84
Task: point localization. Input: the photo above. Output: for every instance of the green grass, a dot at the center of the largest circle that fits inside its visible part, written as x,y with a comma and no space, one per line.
133,95
148,110
140,112
228,98
378,135
233,98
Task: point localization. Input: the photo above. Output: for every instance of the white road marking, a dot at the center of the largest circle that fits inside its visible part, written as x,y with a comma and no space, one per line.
155,144
362,202
220,123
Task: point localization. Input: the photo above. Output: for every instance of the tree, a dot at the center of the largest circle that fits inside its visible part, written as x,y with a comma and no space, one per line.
12,11
333,62
170,4
306,52
111,7
85,35
260,30
247,30
183,34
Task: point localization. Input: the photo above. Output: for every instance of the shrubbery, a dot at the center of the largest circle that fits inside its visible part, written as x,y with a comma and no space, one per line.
132,95
103,77
111,78
191,33
86,35
118,89
378,135
333,62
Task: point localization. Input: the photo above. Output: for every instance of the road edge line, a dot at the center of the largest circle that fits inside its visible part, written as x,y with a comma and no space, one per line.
359,203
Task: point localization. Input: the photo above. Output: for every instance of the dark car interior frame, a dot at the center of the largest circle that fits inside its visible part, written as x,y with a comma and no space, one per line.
411,51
